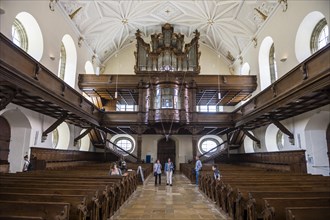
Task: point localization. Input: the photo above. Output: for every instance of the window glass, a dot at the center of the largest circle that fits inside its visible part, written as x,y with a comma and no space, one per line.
19,35
320,35
280,140
208,144
55,137
272,64
124,143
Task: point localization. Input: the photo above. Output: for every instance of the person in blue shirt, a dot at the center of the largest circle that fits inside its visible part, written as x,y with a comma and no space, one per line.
198,167
169,167
216,172
157,171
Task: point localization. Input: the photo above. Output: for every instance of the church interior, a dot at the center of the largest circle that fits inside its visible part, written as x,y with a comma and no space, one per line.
243,85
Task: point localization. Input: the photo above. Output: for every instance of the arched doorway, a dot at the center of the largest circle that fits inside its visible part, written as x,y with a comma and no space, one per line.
165,150
4,140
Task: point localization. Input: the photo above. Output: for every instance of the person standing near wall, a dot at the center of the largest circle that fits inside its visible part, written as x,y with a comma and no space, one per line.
26,165
169,167
157,171
198,167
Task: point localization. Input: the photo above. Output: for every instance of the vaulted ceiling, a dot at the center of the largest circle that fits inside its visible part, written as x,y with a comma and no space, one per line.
227,27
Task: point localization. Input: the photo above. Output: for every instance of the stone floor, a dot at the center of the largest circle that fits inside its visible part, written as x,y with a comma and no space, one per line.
182,201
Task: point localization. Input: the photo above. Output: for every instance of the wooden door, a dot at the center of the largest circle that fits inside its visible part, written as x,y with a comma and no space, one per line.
4,139
165,150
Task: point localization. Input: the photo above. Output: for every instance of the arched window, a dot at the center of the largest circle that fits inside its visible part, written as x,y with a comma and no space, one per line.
272,64
68,61
27,35
55,138
123,141
312,27
89,69
19,35
267,64
280,140
62,63
207,142
245,70
320,35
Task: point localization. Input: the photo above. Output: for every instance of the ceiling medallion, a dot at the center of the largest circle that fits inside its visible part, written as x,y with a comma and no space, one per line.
124,21
210,21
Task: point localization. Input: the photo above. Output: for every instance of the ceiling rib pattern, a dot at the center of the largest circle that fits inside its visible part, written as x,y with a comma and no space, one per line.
227,27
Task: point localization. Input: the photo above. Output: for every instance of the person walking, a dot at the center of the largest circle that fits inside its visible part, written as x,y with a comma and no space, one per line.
198,167
169,167
157,171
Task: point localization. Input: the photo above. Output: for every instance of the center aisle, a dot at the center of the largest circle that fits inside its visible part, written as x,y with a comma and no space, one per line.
182,201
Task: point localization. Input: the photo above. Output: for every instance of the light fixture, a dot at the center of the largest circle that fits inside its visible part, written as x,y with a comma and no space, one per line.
283,59
219,93
97,71
52,57
116,93
52,4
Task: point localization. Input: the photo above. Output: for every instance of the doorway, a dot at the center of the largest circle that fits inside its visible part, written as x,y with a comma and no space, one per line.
4,139
165,150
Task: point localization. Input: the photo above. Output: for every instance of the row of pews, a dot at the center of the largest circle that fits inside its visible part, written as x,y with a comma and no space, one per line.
254,193
81,192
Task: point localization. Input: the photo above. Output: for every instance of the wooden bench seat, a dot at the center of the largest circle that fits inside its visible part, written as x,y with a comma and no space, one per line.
274,208
307,213
251,203
46,210
78,203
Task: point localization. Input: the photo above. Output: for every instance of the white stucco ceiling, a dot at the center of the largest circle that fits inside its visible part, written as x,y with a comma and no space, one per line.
225,26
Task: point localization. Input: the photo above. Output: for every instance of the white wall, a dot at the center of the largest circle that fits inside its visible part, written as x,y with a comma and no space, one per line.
53,26
124,61
183,147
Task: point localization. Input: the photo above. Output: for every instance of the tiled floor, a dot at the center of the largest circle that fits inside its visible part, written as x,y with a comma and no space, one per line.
182,201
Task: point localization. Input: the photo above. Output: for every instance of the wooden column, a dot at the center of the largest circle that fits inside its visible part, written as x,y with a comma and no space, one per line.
139,147
194,140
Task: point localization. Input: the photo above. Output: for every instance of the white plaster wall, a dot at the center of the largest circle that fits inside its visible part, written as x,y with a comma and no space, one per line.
282,27
183,147
53,26
123,62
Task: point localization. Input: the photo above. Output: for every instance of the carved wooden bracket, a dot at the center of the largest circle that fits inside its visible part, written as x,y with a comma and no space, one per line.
82,135
37,70
139,129
303,69
6,100
53,126
274,90
252,137
63,89
282,128
194,129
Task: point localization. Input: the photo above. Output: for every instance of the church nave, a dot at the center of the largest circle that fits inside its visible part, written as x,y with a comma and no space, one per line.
182,201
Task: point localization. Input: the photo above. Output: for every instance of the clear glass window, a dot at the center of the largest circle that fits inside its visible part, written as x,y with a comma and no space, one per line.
125,144
208,144
19,35
320,35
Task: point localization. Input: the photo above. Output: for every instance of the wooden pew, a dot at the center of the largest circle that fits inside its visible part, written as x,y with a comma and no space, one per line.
275,207
46,210
78,203
307,213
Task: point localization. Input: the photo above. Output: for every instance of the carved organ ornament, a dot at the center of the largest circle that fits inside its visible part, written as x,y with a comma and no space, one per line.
167,53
